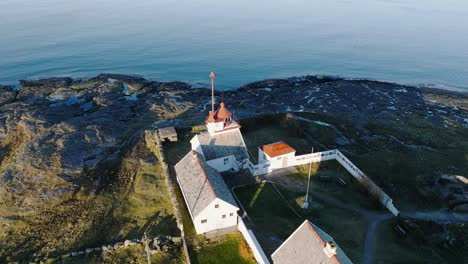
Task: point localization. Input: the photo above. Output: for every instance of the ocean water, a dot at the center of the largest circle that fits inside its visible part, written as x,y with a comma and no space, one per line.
406,41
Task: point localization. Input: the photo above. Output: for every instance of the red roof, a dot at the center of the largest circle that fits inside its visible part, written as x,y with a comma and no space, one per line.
222,112
277,149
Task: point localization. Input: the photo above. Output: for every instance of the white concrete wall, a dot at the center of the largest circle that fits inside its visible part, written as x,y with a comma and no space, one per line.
214,217
251,240
278,161
196,145
213,127
220,165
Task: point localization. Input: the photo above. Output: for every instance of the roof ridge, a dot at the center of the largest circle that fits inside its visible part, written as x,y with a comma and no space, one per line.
312,228
206,176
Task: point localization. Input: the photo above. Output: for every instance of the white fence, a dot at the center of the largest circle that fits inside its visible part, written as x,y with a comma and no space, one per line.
345,162
251,240
313,157
368,183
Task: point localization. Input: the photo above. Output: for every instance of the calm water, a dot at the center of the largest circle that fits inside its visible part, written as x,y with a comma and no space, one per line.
407,41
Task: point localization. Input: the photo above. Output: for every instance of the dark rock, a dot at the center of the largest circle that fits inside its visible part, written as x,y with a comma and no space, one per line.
54,82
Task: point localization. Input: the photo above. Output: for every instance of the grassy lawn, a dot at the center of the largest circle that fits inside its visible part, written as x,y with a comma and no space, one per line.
268,210
401,157
391,248
175,151
230,248
146,208
353,194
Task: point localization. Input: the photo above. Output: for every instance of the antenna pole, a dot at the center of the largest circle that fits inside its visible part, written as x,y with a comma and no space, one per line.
212,76
306,202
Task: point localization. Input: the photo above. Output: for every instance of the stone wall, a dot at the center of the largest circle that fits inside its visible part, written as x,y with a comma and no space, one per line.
154,143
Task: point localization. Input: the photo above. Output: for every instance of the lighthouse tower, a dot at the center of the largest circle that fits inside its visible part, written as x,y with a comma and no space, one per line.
220,120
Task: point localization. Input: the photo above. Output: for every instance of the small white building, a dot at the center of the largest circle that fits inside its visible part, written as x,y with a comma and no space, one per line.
222,145
309,244
278,155
210,203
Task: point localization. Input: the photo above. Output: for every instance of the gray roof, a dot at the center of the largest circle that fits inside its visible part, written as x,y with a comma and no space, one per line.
223,145
167,132
306,246
200,183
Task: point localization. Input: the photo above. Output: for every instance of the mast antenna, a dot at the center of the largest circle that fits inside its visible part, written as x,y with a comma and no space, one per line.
212,77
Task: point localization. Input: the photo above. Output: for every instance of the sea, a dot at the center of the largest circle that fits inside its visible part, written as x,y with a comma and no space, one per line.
415,42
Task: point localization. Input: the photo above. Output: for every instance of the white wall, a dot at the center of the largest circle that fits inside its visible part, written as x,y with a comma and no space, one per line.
196,145
220,166
213,127
251,240
214,217
313,157
278,162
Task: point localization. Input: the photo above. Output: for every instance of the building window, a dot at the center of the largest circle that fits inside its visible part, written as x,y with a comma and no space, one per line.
224,216
231,214
226,160
204,221
216,205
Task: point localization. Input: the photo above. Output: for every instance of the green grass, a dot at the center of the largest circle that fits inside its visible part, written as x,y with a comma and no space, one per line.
391,248
353,194
268,210
175,151
131,199
404,172
230,248
132,254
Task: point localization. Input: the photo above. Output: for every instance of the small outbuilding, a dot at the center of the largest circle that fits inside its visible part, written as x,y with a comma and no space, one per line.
168,134
278,155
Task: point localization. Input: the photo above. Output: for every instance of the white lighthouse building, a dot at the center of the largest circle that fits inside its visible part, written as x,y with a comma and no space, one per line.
222,145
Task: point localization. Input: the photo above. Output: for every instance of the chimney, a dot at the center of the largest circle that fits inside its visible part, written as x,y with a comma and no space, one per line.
330,249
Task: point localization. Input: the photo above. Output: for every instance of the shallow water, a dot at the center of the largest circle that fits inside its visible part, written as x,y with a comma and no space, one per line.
412,42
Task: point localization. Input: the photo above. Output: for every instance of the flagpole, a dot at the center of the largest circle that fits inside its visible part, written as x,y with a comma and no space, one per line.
212,76
306,202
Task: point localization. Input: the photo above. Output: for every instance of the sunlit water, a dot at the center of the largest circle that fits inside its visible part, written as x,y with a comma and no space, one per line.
406,41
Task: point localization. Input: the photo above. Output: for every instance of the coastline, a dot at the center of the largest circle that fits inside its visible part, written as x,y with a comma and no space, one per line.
198,84
359,99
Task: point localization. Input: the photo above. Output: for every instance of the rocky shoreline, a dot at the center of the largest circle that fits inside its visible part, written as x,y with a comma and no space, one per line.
63,141
61,126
